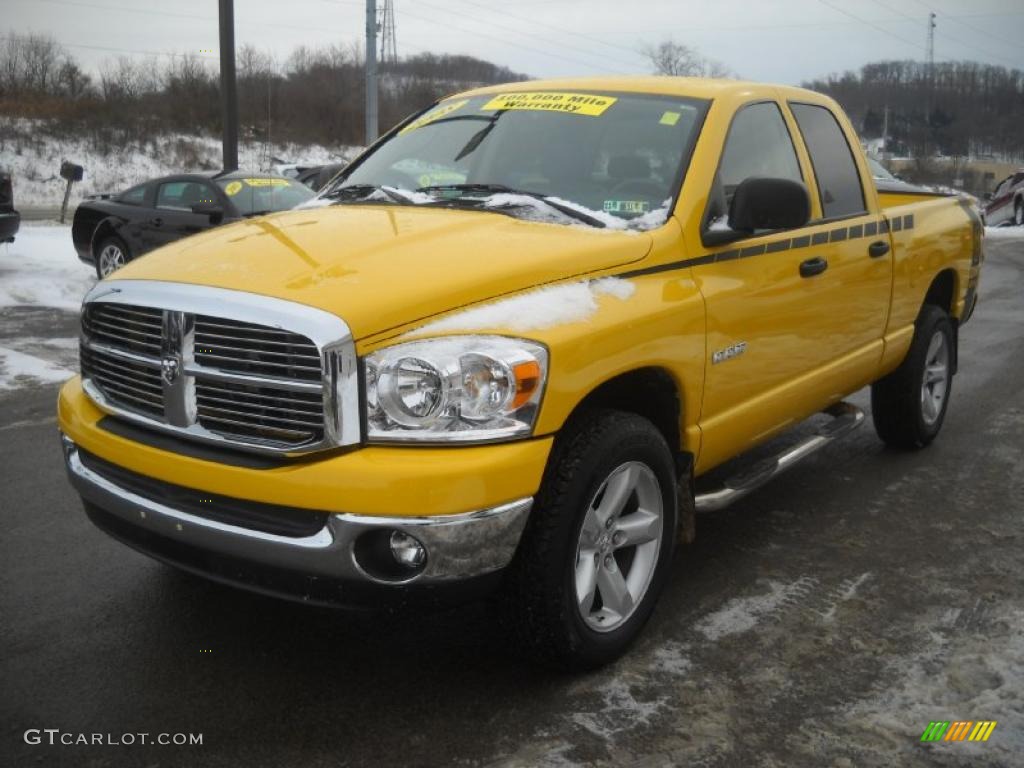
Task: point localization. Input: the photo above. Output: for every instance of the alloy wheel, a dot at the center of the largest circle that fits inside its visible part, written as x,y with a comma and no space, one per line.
618,546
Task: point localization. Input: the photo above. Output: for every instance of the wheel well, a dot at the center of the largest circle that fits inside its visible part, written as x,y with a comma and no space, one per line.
647,392
104,229
942,291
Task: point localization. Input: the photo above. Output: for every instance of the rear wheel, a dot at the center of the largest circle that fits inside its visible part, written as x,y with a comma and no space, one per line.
111,255
909,405
596,553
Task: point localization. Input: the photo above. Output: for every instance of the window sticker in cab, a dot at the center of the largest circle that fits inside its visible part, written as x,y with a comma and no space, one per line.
442,111
268,182
626,206
572,103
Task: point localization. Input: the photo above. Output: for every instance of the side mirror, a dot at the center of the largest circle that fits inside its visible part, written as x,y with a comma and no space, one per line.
763,204
211,209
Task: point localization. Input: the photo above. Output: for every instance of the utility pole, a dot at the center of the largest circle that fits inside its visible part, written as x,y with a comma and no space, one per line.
388,37
930,80
371,71
229,93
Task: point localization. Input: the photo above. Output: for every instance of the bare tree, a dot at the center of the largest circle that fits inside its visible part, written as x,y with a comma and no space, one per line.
678,60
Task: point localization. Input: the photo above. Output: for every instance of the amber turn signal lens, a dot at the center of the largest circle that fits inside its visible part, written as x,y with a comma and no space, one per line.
527,380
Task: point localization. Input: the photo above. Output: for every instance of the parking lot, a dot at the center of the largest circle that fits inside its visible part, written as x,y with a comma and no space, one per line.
825,620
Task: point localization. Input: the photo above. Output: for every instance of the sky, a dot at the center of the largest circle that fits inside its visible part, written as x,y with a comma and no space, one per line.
781,41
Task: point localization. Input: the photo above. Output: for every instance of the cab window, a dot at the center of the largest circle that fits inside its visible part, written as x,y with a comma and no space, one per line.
839,185
134,196
758,144
182,195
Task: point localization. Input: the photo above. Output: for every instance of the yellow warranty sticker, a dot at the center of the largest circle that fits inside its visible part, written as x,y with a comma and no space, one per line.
268,183
573,103
233,188
669,118
442,111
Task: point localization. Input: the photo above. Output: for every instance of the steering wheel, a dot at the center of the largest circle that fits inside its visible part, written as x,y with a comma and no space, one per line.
645,188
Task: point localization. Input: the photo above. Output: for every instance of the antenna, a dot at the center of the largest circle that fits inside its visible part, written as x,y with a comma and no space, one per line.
931,43
389,44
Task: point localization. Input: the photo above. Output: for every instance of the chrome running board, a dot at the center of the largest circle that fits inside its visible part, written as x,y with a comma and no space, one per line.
845,419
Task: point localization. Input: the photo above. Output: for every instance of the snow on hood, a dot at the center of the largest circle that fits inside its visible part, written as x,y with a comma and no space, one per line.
533,208
537,309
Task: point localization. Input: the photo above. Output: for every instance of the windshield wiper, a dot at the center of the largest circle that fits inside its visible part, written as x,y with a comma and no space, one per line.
488,190
361,191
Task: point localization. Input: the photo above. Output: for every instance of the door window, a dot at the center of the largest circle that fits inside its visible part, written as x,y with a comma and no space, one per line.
182,195
759,144
839,185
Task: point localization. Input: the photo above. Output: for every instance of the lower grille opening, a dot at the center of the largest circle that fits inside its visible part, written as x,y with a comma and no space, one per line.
266,518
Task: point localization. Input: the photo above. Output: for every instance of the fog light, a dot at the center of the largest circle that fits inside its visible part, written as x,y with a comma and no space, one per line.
407,550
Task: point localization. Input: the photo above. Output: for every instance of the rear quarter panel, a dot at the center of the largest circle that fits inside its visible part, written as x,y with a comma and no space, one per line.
929,235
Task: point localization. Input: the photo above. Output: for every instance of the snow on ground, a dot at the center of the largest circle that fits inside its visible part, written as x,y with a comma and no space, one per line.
1005,233
34,159
41,269
42,283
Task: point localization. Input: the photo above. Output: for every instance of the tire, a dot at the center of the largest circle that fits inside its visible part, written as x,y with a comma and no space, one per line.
603,457
908,409
1018,213
111,255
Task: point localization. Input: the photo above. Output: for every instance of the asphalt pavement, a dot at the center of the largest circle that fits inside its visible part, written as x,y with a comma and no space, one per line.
823,621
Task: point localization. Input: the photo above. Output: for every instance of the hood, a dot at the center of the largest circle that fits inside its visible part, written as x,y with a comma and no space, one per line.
379,267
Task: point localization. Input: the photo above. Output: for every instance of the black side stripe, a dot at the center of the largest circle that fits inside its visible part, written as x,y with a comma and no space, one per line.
855,232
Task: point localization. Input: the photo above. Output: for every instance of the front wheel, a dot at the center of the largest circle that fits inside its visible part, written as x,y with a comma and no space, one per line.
596,552
909,405
111,255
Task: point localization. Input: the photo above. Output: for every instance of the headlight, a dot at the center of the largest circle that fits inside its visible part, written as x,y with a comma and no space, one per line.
457,388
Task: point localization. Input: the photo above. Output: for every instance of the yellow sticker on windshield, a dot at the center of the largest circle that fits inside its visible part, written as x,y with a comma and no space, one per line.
669,118
233,188
573,103
268,183
442,111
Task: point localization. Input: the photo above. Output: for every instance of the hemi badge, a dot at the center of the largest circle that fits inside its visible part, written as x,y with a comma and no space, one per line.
728,353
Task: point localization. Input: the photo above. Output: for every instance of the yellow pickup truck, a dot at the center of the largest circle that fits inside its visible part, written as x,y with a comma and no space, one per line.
497,351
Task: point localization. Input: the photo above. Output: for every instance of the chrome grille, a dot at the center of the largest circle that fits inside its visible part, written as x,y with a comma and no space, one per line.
255,349
138,386
221,366
137,329
260,411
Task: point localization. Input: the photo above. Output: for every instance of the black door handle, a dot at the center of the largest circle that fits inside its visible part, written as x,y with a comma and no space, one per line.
878,249
156,222
813,267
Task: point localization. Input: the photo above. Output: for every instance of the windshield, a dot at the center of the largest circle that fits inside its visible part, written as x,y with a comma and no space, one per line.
264,194
614,158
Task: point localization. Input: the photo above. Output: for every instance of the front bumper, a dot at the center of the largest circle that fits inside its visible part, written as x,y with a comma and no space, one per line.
10,221
320,566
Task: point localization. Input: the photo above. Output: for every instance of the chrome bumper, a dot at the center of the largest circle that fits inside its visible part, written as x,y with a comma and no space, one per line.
459,547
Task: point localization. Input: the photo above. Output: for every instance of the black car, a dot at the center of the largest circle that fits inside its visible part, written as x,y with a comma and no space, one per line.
317,177
110,230
10,219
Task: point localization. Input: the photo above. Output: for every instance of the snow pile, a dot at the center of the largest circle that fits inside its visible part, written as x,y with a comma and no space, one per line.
1004,233
540,308
18,369
42,269
34,159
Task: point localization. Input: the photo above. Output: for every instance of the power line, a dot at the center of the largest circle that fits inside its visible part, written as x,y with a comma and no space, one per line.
874,26
552,26
549,54
562,45
959,20
963,43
